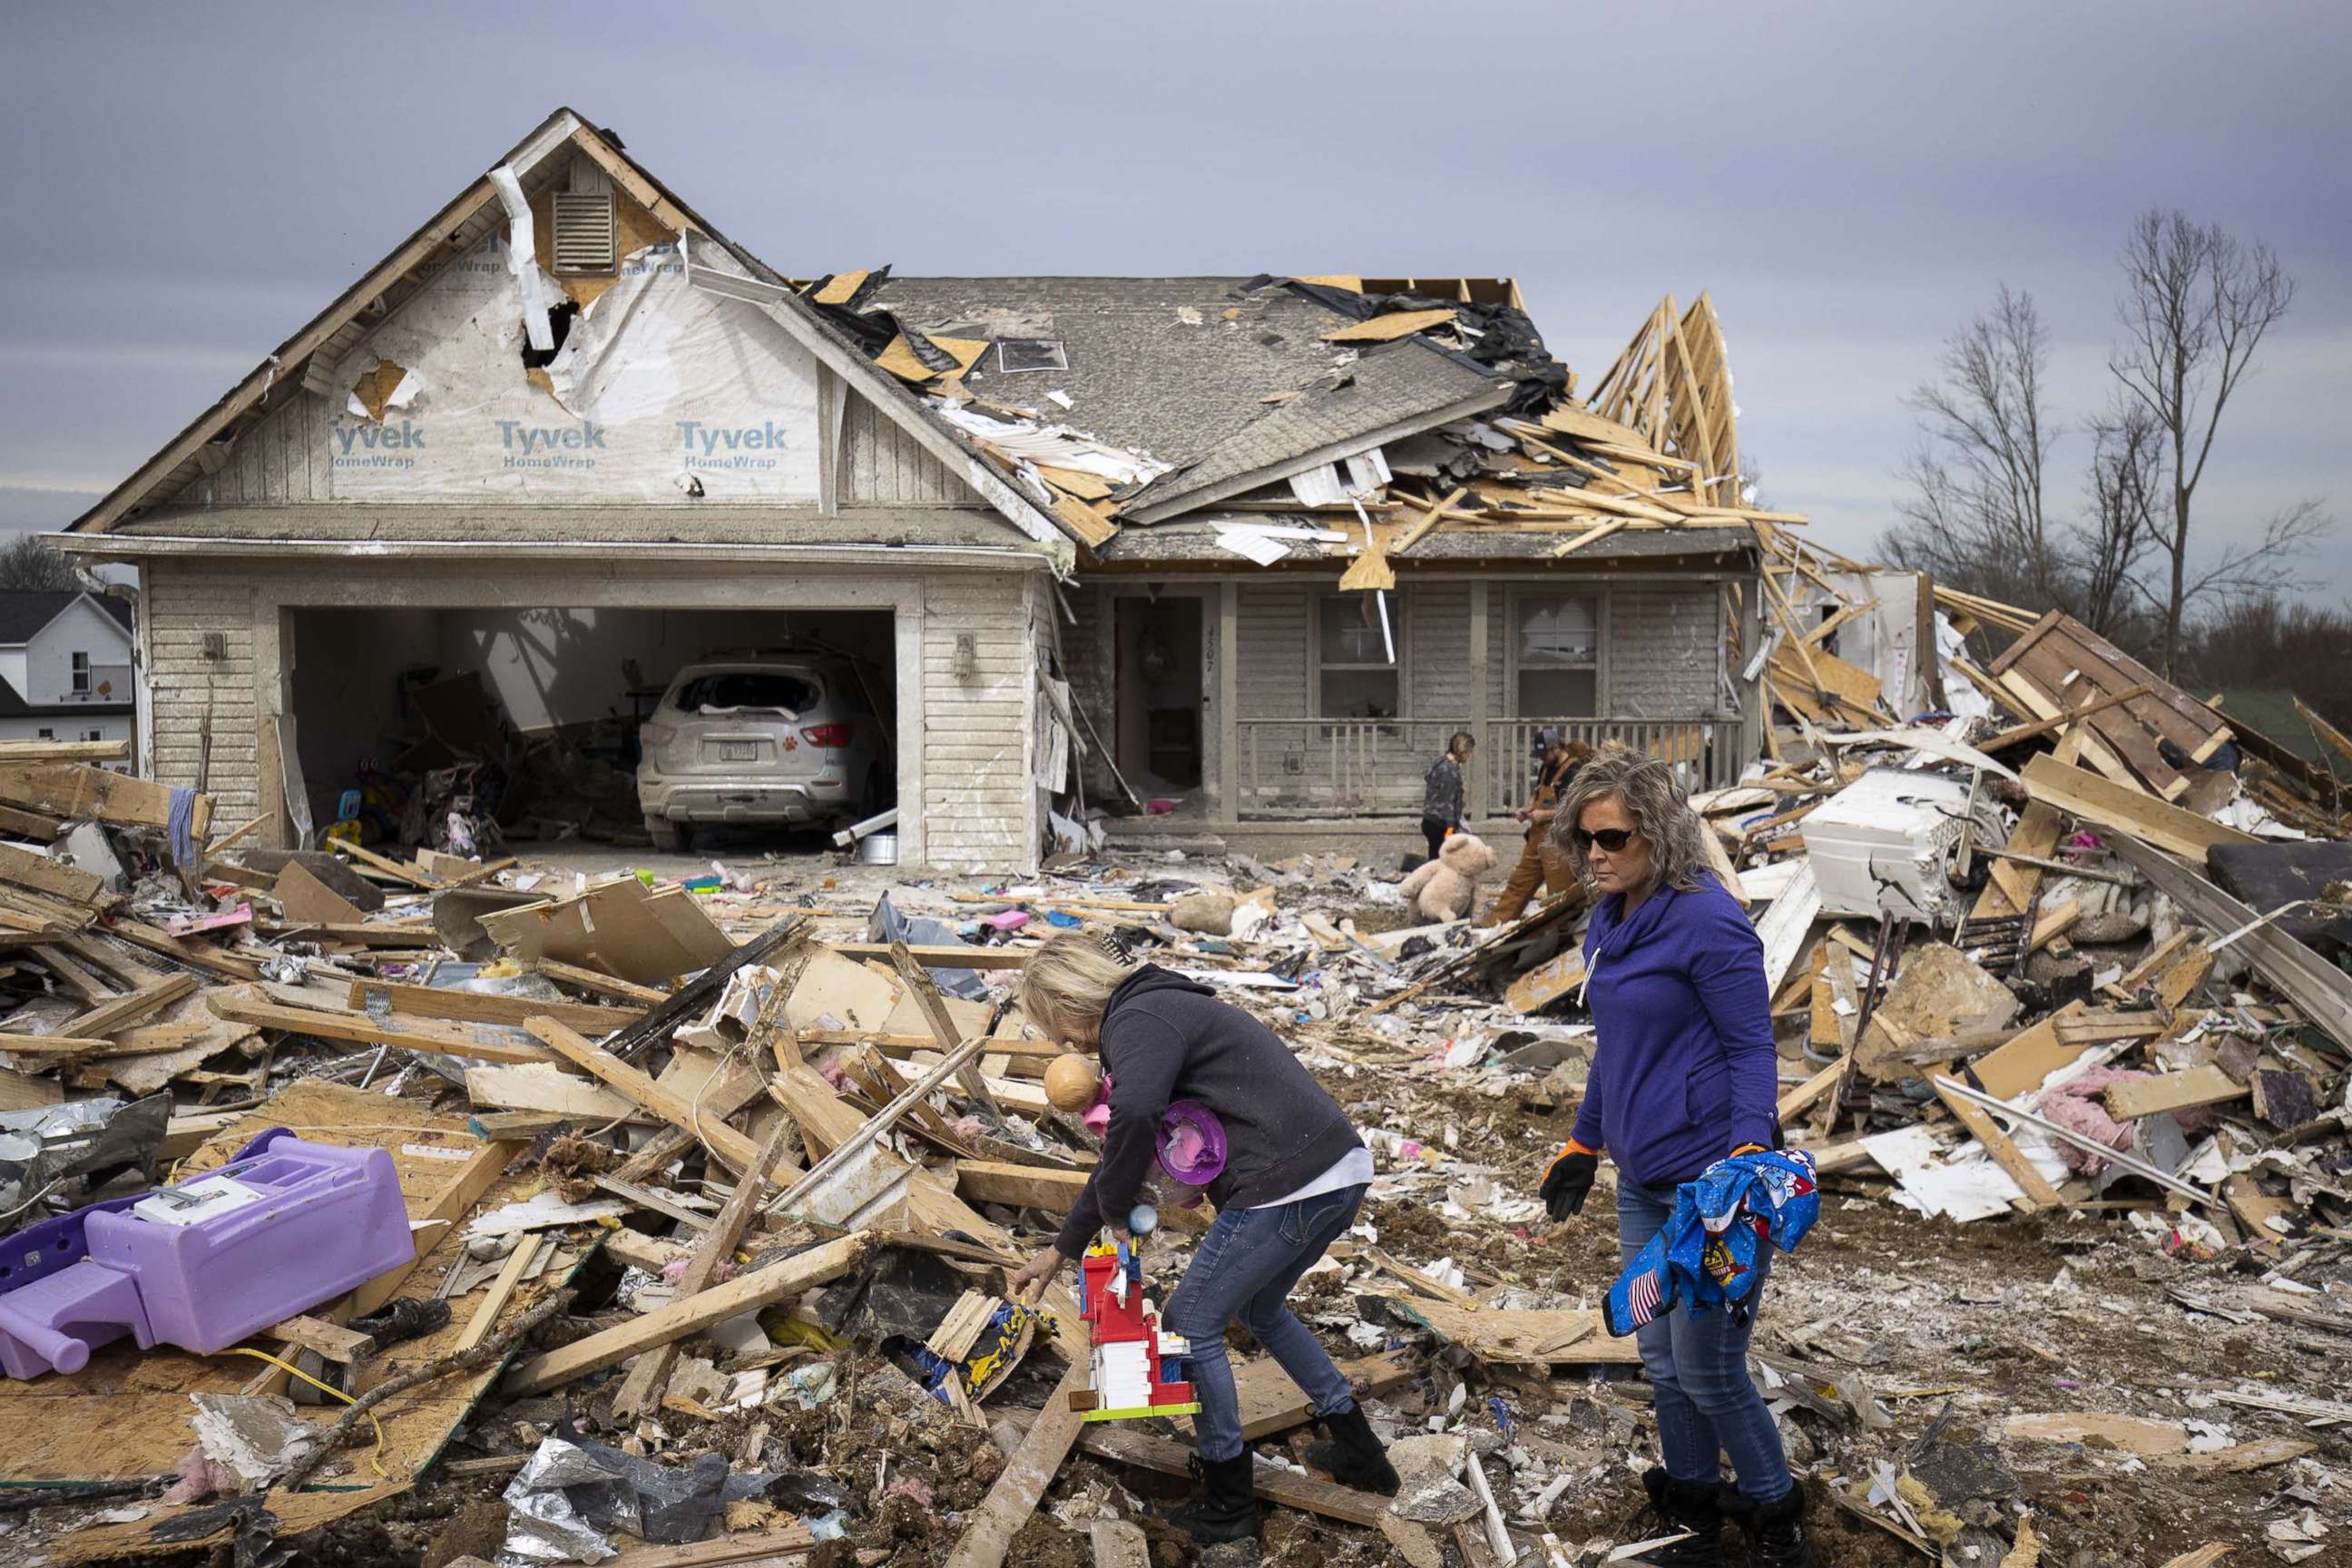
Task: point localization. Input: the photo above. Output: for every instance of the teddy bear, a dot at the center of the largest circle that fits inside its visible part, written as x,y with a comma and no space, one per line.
1446,888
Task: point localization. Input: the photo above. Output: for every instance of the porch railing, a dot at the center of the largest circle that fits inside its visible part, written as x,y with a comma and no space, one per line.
1373,767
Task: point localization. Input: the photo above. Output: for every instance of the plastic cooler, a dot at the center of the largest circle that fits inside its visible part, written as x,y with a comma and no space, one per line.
283,1226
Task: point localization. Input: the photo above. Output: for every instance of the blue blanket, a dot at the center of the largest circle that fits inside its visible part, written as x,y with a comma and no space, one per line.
1706,1254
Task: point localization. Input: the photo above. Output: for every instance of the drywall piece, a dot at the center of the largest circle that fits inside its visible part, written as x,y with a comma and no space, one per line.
623,928
837,993
1787,924
306,899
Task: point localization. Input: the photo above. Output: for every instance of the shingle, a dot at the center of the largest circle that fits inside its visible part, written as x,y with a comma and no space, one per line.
24,612
1143,375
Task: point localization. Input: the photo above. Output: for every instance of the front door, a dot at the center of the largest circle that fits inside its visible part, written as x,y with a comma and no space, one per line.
1159,650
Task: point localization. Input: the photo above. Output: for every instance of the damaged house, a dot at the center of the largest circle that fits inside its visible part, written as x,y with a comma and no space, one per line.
1223,555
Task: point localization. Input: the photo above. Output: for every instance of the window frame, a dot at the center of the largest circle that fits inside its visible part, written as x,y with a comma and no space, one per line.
1399,622
78,681
1520,594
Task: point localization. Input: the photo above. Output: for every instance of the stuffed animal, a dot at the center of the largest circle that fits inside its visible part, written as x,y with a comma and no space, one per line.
1446,888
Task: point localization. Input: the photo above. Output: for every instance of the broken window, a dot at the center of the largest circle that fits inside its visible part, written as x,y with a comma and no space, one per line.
586,239
724,690
1360,680
1558,672
81,675
1013,354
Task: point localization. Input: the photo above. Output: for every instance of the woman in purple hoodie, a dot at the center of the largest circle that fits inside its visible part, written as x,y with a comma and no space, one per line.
1684,1075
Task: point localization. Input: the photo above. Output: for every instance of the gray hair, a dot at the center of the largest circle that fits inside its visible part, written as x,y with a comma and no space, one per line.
1653,798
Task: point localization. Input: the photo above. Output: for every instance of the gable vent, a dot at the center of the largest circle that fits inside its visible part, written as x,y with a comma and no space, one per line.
584,238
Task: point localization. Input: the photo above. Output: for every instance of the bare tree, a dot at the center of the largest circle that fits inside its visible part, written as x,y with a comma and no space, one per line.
2105,549
2197,303
29,561
1976,510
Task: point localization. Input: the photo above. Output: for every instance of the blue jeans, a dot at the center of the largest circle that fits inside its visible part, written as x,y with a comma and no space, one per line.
1244,1270
1697,1363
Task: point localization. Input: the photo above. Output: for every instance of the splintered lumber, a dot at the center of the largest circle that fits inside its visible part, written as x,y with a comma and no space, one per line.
599,984
1010,1502
2138,1097
1130,1445
1529,1339
502,1288
481,1008
480,1042
1806,1095
547,1088
2068,1135
123,1011
72,791
2134,811
782,1281
1019,1186
43,875
790,1543
934,1009
413,876
2039,1193
641,1392
736,1149
65,751
197,955
845,1150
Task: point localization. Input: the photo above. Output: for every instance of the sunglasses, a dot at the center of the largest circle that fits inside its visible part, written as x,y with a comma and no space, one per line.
1612,839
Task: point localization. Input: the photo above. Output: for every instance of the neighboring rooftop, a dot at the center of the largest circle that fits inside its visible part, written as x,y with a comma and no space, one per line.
24,611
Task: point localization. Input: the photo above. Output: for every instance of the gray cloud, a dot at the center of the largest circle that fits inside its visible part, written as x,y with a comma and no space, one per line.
1849,180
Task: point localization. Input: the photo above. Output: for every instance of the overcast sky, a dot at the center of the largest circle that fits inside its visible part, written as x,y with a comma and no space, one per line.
187,186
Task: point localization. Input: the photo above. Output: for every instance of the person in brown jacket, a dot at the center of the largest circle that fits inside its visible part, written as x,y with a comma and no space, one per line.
1542,863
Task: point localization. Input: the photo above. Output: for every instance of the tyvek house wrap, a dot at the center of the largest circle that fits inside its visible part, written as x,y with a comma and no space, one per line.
658,383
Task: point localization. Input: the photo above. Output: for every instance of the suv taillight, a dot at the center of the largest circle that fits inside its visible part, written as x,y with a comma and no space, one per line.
651,736
831,737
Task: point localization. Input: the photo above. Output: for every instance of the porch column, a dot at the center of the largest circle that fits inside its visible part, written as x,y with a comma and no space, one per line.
1229,728
1478,701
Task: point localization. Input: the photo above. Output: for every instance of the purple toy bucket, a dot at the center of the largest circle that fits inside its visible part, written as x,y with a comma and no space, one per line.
1192,1144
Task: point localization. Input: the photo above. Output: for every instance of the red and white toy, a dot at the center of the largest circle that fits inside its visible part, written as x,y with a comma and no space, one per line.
1135,1367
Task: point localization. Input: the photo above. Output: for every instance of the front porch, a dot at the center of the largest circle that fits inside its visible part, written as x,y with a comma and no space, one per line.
1261,706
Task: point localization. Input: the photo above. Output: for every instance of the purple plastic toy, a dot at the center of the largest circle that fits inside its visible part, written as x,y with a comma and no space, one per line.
281,1229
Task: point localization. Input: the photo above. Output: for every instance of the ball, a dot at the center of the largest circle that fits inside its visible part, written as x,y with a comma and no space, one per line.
1142,1220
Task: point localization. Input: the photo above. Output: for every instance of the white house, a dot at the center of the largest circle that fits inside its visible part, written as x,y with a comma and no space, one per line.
65,668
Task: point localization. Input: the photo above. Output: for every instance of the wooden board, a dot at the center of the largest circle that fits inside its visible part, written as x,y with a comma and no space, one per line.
2019,1066
2138,1097
2039,1193
56,877
542,1085
989,1533
1528,1339
735,1148
477,1041
481,1008
305,899
744,1293
1126,1444
2102,801
72,791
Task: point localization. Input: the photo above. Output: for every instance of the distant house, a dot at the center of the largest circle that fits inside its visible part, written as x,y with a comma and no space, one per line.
65,666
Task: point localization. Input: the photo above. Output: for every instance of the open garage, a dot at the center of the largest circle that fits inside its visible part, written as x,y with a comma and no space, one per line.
466,729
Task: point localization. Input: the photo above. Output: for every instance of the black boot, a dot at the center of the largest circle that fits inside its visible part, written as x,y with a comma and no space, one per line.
1677,1506
1353,1455
1227,1509
1777,1532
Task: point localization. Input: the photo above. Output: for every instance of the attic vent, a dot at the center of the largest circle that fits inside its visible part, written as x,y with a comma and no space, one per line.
1015,354
584,237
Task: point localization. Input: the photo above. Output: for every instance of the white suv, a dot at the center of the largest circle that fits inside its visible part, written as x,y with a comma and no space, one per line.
786,740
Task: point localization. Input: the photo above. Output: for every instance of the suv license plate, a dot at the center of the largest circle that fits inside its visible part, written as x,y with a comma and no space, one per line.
739,751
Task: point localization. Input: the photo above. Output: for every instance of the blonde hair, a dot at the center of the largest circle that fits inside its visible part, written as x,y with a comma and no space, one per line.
1653,798
1066,984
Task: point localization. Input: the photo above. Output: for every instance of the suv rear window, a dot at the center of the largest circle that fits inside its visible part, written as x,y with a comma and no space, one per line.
726,689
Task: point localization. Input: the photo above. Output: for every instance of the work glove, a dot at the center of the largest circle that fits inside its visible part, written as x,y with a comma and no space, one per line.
1569,1181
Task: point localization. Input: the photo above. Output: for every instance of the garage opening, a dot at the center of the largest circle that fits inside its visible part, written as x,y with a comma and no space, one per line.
469,730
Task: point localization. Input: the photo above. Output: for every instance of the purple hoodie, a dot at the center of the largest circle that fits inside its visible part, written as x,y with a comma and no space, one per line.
1685,1072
